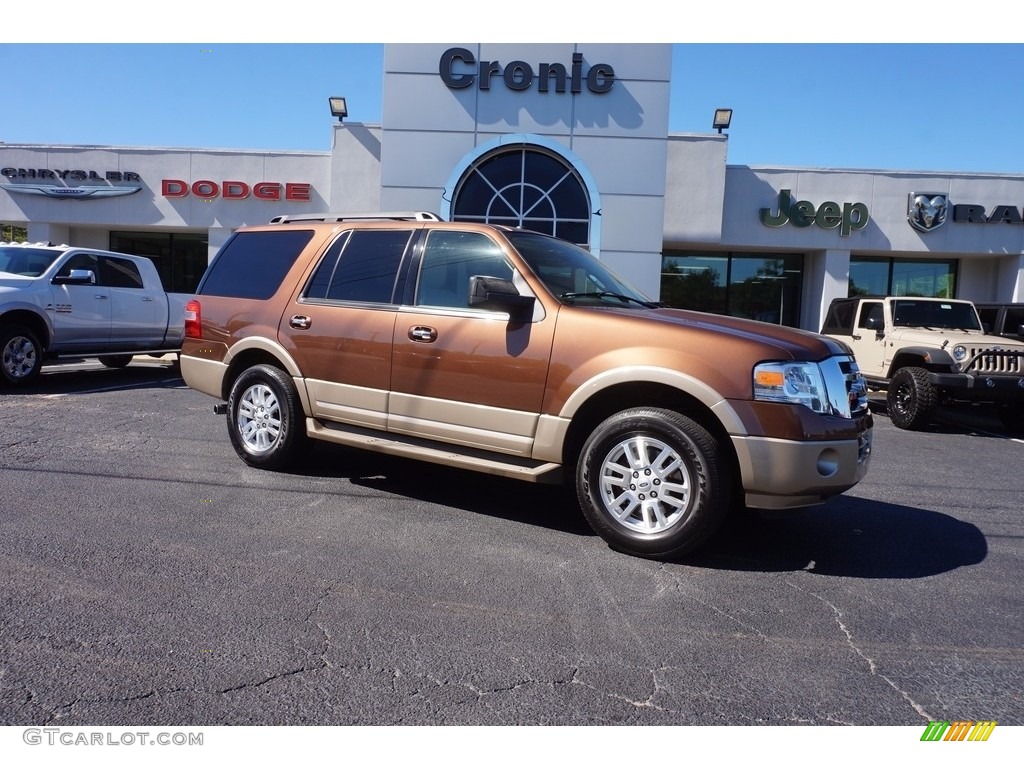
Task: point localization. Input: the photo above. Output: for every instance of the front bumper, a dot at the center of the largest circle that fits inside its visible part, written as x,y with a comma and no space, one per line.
979,387
783,474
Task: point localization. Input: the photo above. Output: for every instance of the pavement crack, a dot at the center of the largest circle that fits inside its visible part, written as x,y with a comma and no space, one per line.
850,641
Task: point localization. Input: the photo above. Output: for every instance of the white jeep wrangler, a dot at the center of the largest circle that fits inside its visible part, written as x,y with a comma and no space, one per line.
926,352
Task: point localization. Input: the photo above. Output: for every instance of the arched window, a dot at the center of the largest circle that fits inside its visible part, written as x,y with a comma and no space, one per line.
525,186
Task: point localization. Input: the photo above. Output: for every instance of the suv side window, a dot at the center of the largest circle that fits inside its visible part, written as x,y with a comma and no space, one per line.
1013,321
321,280
363,267
871,311
449,260
251,265
839,320
119,273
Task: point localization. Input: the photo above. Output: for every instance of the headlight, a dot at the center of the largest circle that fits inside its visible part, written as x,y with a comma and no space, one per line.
959,352
800,383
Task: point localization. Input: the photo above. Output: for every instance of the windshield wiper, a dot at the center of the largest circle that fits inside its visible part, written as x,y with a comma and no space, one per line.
570,295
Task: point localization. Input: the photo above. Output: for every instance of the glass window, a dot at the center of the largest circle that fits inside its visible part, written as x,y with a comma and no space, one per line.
181,258
525,187
869,277
30,262
695,281
82,261
572,273
922,278
839,320
874,276
756,286
449,260
958,315
120,273
368,266
251,265
321,280
1013,322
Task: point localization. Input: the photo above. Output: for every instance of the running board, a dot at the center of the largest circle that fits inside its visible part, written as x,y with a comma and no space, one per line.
437,453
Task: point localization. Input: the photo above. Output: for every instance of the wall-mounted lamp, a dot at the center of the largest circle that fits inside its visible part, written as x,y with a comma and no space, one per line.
338,108
722,119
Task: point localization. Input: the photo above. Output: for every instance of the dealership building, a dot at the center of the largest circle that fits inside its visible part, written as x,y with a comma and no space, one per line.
568,139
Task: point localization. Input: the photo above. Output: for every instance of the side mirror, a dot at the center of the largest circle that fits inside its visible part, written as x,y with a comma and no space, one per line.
986,328
1020,330
875,323
76,277
500,294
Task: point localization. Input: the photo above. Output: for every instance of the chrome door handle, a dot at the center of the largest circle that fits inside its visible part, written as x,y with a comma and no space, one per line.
422,333
300,321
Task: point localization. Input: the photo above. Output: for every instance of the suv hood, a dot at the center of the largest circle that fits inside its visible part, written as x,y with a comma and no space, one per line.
790,343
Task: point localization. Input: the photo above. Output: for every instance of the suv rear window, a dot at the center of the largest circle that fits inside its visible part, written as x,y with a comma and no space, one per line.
251,265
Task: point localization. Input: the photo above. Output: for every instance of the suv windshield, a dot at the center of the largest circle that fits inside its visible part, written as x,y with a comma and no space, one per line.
958,315
30,262
572,274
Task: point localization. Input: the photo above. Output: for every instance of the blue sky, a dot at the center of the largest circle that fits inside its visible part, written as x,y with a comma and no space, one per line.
876,105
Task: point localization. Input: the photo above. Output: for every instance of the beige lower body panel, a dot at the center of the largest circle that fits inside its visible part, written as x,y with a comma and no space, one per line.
780,474
411,447
474,426
206,376
350,404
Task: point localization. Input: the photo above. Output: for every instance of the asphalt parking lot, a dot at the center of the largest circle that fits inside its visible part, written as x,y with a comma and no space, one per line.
153,578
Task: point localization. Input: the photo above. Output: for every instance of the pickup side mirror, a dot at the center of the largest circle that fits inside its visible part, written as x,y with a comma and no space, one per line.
76,277
501,294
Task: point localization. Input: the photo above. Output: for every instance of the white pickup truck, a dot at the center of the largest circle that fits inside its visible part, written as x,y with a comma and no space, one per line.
60,301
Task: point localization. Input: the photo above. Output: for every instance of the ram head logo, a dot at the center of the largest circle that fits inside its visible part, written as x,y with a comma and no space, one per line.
926,211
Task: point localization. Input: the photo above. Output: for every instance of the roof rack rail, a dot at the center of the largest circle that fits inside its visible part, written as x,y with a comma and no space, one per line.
358,216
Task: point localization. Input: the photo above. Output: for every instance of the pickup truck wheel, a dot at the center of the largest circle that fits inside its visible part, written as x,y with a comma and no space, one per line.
911,398
21,355
115,361
265,418
650,482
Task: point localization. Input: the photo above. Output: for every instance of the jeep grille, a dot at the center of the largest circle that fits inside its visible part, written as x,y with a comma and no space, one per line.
990,360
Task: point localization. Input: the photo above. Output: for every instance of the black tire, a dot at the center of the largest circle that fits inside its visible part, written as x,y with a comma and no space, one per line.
651,482
911,398
1012,417
266,423
21,355
115,361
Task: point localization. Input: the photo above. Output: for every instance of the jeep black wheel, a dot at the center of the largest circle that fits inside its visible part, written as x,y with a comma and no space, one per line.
650,482
911,398
21,355
265,418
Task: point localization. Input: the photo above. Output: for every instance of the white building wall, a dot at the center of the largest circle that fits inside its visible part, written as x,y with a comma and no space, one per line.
619,136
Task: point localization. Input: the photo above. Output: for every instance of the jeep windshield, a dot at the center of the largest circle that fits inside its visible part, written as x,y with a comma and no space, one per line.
951,315
29,262
573,275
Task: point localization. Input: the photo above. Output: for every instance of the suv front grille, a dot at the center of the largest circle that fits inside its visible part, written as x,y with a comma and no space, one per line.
847,390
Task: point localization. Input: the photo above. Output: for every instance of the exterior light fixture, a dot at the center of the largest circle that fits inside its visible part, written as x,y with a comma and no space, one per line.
722,119
338,108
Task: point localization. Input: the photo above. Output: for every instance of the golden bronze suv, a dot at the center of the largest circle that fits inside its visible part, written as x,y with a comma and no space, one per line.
510,352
